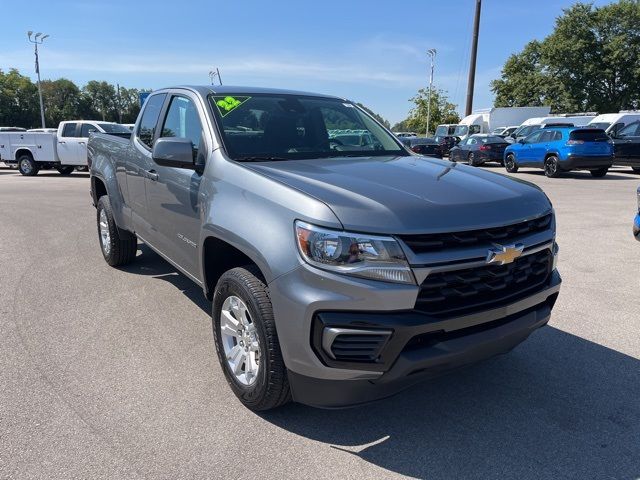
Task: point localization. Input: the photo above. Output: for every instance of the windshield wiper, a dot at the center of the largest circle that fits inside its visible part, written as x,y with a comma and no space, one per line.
258,158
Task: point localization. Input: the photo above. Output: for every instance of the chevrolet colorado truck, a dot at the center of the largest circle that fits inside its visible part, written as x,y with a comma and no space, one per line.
338,273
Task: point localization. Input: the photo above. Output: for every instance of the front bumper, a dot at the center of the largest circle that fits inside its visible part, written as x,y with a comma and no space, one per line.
419,347
577,162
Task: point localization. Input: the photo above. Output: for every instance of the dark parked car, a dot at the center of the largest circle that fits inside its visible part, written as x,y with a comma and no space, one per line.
423,146
478,149
446,143
626,146
636,220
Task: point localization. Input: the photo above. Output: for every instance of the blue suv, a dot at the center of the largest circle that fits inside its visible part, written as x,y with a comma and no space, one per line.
560,149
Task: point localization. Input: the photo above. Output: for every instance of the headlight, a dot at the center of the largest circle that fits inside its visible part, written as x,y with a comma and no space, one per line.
360,255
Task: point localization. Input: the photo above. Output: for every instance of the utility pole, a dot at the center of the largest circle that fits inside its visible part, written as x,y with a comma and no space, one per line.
38,39
119,104
215,73
472,63
432,53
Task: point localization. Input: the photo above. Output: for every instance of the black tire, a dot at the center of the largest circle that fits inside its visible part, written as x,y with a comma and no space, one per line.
599,173
66,170
471,159
551,167
271,387
121,246
27,166
510,164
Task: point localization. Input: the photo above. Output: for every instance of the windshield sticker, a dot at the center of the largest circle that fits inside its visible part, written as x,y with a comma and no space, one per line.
228,104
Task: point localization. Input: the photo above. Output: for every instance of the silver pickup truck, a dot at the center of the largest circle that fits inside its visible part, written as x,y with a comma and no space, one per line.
340,270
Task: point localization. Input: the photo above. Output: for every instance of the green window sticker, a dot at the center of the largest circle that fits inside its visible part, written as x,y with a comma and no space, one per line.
228,103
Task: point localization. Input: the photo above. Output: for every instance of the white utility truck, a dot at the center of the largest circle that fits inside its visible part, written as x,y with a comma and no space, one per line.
488,119
614,122
63,150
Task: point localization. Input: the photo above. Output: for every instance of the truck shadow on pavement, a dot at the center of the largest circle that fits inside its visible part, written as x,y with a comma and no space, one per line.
557,406
151,264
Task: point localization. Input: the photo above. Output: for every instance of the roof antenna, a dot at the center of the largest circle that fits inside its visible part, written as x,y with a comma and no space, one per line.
215,73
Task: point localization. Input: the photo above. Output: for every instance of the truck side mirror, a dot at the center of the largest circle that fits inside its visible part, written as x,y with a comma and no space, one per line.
174,152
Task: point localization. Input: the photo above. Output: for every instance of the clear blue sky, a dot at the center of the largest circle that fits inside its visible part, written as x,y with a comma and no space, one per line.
369,51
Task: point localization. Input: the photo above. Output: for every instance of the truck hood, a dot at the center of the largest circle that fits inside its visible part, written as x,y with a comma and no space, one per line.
409,194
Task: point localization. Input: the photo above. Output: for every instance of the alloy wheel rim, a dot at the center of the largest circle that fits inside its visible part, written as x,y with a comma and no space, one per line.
240,340
105,235
25,166
510,162
551,166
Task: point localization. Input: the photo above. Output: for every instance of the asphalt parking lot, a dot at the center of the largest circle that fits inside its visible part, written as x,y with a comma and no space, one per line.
111,373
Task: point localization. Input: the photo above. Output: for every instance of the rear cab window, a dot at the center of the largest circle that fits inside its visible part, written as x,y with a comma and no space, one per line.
69,130
147,128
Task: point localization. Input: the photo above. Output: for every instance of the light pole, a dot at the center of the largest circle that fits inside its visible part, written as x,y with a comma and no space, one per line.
38,39
432,53
215,73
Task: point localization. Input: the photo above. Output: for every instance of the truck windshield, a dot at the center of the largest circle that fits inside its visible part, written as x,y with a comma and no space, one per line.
460,130
445,130
602,125
262,126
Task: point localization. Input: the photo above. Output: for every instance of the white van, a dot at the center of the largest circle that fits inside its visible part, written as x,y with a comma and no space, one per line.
565,119
614,122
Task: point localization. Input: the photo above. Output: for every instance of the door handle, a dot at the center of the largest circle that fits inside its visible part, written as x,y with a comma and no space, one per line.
80,143
62,142
152,175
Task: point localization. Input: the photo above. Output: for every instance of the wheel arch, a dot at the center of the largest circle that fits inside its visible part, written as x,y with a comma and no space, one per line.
24,151
219,256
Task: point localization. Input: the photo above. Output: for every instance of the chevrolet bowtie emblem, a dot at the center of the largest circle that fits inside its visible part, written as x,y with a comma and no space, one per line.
504,254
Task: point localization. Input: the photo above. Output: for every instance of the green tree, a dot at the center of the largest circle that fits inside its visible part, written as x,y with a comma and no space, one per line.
442,111
591,61
378,117
129,104
62,99
19,103
101,98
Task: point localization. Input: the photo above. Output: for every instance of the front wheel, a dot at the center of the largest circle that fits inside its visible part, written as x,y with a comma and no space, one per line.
246,341
551,167
27,166
65,170
600,172
510,163
118,246
471,160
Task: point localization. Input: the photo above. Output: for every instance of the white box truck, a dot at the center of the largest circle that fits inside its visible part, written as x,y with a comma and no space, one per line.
488,119
63,150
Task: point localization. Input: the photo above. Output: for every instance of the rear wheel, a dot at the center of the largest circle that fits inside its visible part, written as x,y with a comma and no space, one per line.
471,159
599,173
246,340
510,163
118,246
27,166
66,170
551,167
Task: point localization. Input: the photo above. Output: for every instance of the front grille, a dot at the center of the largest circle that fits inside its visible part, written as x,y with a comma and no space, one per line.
460,292
358,348
507,234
